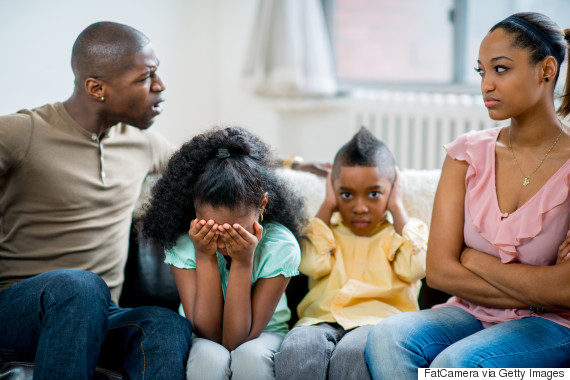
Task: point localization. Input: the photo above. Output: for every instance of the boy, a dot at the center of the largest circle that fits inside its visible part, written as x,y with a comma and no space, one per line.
361,268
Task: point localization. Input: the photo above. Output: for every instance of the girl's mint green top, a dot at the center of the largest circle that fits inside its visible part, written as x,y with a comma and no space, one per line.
277,253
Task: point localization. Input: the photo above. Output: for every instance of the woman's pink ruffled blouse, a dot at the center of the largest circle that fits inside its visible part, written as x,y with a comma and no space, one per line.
529,235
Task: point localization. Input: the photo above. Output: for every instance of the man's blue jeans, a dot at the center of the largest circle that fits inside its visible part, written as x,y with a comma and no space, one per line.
448,337
65,322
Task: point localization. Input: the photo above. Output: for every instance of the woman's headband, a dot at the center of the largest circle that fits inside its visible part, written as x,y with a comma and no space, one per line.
539,33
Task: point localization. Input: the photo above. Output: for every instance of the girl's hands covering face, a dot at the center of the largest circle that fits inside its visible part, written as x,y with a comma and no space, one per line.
239,244
204,235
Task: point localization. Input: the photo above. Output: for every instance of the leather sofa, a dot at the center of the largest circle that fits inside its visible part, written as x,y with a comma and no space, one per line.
148,281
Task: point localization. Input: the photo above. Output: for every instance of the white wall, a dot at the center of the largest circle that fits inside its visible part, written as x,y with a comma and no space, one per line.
201,44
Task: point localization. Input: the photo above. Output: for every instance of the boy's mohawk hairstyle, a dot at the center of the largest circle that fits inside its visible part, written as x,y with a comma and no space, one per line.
361,149
364,149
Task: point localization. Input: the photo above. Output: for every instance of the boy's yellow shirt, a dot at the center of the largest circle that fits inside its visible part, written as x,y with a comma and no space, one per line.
360,280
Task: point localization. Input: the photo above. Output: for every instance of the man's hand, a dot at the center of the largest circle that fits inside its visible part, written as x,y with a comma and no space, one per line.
320,169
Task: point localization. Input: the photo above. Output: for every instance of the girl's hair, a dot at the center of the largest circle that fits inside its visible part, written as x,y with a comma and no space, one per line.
227,167
364,149
542,37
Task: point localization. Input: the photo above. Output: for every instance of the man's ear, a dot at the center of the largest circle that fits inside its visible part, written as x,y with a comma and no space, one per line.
94,88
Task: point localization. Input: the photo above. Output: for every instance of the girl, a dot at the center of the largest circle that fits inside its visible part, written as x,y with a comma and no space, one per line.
229,226
501,212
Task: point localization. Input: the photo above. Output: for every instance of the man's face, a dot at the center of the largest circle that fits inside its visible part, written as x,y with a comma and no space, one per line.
133,95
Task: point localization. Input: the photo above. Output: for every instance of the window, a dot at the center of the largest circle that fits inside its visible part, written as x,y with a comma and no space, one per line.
419,43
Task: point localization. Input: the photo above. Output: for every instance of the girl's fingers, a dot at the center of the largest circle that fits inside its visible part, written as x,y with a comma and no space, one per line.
204,230
196,226
236,236
212,233
240,233
258,228
226,238
205,227
232,234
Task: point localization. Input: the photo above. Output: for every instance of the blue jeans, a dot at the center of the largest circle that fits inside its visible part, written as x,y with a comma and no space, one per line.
322,351
65,322
448,337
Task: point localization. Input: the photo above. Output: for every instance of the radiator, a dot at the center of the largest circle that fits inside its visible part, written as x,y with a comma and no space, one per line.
416,125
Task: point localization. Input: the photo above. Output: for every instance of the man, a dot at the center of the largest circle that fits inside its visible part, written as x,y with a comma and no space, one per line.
70,174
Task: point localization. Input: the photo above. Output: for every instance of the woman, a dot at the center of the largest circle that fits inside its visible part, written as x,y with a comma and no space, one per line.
500,225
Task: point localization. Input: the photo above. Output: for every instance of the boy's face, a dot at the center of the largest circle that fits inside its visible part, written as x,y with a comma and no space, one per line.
362,197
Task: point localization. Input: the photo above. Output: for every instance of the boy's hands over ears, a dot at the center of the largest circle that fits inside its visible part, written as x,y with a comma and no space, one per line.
396,205
396,198
329,205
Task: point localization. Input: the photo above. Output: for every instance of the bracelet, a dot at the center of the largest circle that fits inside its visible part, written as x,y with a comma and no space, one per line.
289,161
538,310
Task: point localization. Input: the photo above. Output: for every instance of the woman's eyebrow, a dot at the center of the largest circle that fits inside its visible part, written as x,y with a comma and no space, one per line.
499,58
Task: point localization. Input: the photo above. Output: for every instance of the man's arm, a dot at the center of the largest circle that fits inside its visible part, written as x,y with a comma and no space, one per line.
15,139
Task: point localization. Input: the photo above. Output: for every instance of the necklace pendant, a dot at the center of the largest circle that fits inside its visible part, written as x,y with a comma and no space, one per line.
526,181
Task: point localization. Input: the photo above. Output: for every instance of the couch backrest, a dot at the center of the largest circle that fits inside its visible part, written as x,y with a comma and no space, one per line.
148,281
418,185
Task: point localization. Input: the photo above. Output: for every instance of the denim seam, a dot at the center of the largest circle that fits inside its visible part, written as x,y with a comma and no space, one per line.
142,347
521,352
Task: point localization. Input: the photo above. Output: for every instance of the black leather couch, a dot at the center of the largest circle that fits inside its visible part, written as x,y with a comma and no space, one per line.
148,281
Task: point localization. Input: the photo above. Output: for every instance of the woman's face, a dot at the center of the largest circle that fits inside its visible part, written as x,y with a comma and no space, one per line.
510,84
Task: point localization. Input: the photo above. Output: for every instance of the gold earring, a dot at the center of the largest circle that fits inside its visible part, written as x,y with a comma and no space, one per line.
261,217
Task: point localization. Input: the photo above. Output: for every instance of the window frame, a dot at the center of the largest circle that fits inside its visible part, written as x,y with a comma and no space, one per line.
459,85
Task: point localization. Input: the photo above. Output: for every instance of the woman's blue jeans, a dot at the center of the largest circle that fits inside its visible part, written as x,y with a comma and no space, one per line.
448,337
65,322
